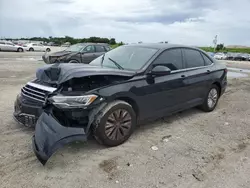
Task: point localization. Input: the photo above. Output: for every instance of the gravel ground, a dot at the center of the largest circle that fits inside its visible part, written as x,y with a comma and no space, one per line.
192,148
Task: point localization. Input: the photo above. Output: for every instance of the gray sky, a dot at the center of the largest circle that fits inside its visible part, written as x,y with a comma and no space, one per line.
193,22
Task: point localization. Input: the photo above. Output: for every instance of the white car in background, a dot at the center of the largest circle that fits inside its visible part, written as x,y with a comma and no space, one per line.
11,47
36,47
220,56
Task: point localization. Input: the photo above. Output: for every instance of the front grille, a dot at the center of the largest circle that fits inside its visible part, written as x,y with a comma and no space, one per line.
36,92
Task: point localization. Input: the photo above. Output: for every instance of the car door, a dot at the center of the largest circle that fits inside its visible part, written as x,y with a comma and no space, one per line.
88,54
8,46
12,47
166,93
40,47
198,75
3,46
35,47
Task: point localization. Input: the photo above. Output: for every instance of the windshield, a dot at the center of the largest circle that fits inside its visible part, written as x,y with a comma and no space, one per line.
128,57
76,47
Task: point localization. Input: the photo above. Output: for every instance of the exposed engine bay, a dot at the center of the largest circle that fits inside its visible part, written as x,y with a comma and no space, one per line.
90,82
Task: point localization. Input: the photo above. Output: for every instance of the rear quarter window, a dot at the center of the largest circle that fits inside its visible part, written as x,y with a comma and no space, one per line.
193,58
107,48
207,60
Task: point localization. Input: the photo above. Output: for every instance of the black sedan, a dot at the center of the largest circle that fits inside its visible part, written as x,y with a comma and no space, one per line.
115,92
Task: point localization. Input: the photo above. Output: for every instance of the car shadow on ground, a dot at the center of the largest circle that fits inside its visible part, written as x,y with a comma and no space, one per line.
167,120
91,146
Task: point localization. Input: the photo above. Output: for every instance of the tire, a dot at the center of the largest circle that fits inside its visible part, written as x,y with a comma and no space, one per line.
48,50
73,61
116,133
206,106
19,50
31,49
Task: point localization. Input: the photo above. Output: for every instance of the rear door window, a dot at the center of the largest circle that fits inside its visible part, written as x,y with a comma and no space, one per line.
90,49
193,58
172,58
99,48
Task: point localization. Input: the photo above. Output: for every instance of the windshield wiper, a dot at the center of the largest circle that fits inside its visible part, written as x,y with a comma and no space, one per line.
102,59
119,66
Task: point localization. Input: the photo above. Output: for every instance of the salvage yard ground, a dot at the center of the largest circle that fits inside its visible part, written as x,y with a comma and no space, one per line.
192,148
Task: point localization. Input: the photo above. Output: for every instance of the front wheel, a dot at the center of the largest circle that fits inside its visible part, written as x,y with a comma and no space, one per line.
115,123
48,50
211,99
19,50
31,49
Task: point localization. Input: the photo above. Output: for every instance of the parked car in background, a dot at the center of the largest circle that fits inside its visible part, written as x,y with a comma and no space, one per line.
37,47
245,57
66,44
109,96
78,53
239,57
9,46
52,44
230,56
211,54
220,56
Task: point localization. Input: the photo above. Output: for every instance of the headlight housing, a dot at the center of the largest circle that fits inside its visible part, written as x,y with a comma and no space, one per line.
62,101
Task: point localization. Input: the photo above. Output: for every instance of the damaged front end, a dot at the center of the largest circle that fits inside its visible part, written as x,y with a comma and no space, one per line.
70,110
54,129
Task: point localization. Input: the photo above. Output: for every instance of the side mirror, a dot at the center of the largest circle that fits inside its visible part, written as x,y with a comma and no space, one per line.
160,70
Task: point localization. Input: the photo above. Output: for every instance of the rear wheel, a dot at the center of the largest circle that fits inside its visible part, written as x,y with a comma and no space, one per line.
211,99
115,124
48,50
20,50
31,49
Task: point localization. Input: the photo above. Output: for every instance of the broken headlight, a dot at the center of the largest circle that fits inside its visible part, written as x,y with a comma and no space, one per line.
72,101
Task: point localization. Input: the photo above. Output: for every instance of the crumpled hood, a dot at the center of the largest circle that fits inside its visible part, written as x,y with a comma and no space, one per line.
47,56
61,53
61,72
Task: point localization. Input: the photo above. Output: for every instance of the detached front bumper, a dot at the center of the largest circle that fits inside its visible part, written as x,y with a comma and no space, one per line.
50,135
26,112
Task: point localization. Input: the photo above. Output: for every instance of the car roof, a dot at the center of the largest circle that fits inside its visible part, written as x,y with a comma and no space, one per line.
161,46
89,43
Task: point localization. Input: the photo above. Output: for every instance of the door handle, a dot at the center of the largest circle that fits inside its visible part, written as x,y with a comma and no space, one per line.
183,76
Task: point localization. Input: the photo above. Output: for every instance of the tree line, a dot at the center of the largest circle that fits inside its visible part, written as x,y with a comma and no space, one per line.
71,40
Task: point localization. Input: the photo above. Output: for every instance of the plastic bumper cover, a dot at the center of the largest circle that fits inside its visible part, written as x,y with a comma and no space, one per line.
50,135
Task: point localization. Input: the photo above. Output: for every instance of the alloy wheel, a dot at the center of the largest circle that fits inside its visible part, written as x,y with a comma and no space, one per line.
118,124
212,98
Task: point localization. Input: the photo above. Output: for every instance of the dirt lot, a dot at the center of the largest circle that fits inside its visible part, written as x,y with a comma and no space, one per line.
195,149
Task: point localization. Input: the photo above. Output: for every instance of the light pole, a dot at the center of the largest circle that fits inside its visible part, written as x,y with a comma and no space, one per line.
215,42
